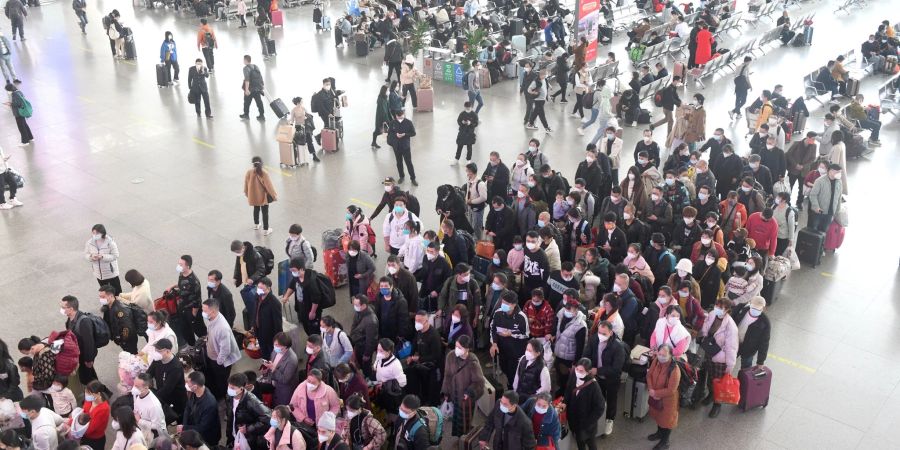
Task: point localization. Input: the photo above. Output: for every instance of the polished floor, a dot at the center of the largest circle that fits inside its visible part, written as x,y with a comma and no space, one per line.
113,148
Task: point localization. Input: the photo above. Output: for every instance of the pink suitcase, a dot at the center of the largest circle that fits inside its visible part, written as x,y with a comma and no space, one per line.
755,387
329,140
834,237
277,18
678,70
426,100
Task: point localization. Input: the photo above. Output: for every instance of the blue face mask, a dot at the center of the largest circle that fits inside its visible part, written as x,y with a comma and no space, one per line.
231,392
504,409
398,209
496,286
405,232
425,242
496,261
278,350
273,422
541,223
505,308
403,414
348,216
386,292
88,398
211,284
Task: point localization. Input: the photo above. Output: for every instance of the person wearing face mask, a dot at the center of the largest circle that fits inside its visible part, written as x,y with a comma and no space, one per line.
188,288
721,350
168,377
683,273
584,404
541,318
364,333
61,398
335,341
708,274
521,170
96,404
45,424
404,281
168,55
658,213
588,202
215,289
500,225
544,419
360,268
312,398
120,318
201,413
509,334
669,329
391,309
536,266
281,370
463,384
460,289
675,193
728,170
249,267
84,331
764,232
422,366
748,195
363,431
663,378
707,242
147,408
508,426
432,275
686,232
390,378
222,350
516,256
127,430
705,202
571,330
733,215
825,198
411,430
633,191
771,158
102,253
307,294
267,321
391,193
648,145
715,144
670,100
296,246
328,438
349,382
496,176
595,171
819,169
798,159
830,126
467,122
283,434
607,354
612,241
754,331
198,88
246,418
694,315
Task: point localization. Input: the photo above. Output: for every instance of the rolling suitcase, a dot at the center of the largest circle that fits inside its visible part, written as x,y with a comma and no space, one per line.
329,140
284,276
162,75
810,245
335,267
678,69
755,387
799,122
834,237
852,88
480,266
470,440
426,100
640,398
519,43
270,47
516,27
286,154
511,70
856,146
277,18
643,117
771,290
485,78
362,47
807,35
278,107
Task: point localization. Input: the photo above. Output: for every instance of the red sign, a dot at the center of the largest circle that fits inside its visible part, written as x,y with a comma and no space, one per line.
589,26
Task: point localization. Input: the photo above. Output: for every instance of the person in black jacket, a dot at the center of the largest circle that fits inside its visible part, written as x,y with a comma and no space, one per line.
78,323
585,404
562,77
119,319
197,76
411,432
268,320
168,376
648,145
686,233
501,224
434,272
715,144
728,171
535,268
595,171
510,427
201,412
399,133
670,100
9,374
455,246
250,417
607,354
248,265
364,334
451,205
391,193
551,182
425,360
496,175
467,122
188,322
392,313
215,289
759,329
309,297
612,242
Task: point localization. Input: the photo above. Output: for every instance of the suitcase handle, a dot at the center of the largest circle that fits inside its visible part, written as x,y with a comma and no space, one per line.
759,375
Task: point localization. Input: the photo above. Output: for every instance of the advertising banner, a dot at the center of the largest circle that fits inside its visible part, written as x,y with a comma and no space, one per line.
588,27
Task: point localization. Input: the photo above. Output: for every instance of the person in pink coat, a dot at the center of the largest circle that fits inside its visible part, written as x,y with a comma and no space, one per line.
670,331
704,45
721,327
323,397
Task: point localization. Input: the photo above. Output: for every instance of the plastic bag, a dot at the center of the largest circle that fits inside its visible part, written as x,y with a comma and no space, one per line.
792,255
727,390
447,410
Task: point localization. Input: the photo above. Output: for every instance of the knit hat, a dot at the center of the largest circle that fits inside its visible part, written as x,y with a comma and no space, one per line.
685,265
410,59
758,302
327,421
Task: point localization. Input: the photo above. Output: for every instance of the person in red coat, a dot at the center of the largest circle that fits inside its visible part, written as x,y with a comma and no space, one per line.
764,231
704,45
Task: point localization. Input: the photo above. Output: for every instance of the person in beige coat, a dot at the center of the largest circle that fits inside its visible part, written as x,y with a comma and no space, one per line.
408,76
463,384
260,193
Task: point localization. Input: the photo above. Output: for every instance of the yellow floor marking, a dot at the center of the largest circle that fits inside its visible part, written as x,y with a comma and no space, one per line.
203,143
827,274
792,363
366,204
282,171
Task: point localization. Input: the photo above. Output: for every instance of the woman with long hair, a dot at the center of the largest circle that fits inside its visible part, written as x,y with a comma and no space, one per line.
96,405
126,428
9,375
382,116
260,193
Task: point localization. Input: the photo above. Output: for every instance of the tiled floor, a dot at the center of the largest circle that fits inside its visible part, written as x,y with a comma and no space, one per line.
112,148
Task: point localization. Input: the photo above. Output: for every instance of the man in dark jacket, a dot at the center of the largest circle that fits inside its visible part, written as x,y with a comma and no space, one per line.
411,432
197,86
772,157
501,224
799,159
756,340
391,193
670,101
496,175
168,374
595,171
316,358
250,415
268,320
728,171
584,403
434,272
607,354
201,413
399,133
426,360
119,318
405,283
215,289
510,427
189,322
392,312
536,267
714,144
77,322
248,265
364,334
611,241
455,246
551,182
509,334
393,57
460,289
304,289
647,144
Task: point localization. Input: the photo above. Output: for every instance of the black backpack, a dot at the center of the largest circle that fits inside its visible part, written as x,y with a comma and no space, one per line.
99,327
256,80
327,288
138,318
588,100
470,245
268,258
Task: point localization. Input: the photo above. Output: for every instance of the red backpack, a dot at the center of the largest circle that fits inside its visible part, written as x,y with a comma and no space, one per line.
371,234
67,357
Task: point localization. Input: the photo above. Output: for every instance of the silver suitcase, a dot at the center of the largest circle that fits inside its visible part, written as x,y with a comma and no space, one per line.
640,397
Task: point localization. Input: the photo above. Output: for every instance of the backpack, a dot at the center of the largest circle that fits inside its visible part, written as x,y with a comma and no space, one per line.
25,110
268,258
138,318
431,418
67,355
209,40
465,81
636,52
646,286
99,327
470,244
588,100
314,102
106,21
327,288
371,233
193,356
658,99
256,80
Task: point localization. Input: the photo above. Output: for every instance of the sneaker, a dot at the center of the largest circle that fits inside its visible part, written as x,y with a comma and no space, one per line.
210,116
563,101
6,206
316,158
580,131
257,227
609,428
17,81
875,143
731,115
175,82
14,202
454,162
468,161
575,115
414,182
548,130
244,117
268,232
261,118
530,127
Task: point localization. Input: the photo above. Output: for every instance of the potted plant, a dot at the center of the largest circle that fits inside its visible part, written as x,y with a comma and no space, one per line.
474,39
418,40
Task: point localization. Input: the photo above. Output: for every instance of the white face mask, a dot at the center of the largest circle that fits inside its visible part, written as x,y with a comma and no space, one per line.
654,197
705,241
392,270
682,273
631,176
529,355
626,216
531,246
710,261
460,353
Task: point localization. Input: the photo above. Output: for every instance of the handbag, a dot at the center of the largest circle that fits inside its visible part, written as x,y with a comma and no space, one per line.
654,403
192,96
710,346
727,390
792,255
269,197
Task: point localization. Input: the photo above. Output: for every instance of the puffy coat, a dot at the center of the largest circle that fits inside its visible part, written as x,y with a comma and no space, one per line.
108,265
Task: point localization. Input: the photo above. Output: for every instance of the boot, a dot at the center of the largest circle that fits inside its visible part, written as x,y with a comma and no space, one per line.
609,428
714,412
655,436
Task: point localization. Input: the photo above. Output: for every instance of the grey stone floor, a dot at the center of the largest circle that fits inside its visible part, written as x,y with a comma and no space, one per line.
102,125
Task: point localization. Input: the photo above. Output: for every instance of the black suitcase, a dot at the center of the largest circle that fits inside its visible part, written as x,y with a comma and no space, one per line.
162,75
270,46
279,108
852,88
643,117
771,290
516,27
362,47
856,146
810,246
130,50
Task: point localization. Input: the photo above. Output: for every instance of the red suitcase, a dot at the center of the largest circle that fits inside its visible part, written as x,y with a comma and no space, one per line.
678,70
335,266
329,140
834,237
277,18
426,100
755,387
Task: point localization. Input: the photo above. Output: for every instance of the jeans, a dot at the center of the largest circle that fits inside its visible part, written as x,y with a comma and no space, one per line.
594,114
170,64
740,99
18,23
601,130
401,156
259,103
872,125
475,96
9,73
205,97
209,57
265,215
538,112
409,90
10,181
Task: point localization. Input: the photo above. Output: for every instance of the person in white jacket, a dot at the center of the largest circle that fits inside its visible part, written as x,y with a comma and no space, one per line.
140,295
7,178
158,328
392,230
46,425
413,251
603,104
147,408
387,366
102,253
128,432
476,198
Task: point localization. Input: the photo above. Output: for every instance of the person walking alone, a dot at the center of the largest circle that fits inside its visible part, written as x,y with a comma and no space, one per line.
741,87
7,179
9,73
198,88
168,55
17,13
467,121
260,193
21,110
474,82
539,90
206,42
253,89
399,134
79,6
382,116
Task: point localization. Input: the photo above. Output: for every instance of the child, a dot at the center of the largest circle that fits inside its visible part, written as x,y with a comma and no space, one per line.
560,207
64,402
78,424
26,366
516,256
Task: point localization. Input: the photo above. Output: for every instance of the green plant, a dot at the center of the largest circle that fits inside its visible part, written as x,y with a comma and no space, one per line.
474,39
417,36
